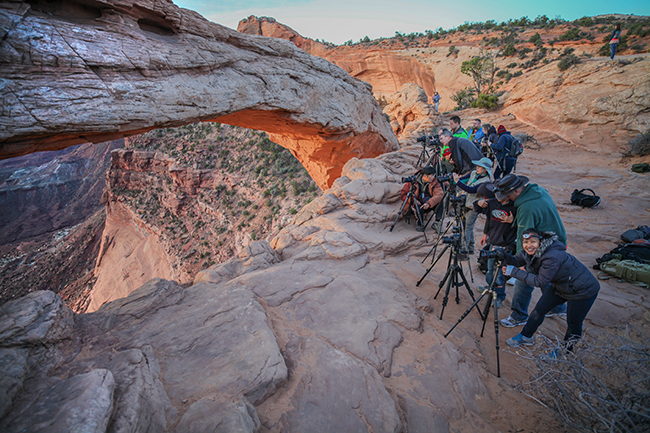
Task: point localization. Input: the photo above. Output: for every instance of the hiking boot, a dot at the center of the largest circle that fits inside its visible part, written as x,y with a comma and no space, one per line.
520,340
509,322
552,314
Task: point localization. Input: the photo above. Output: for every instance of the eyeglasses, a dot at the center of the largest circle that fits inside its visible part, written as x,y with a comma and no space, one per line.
530,235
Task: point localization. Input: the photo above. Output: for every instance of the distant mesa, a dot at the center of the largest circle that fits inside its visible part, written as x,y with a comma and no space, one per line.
123,68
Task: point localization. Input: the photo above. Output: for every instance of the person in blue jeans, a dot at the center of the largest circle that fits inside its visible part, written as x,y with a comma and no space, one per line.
497,233
535,209
564,279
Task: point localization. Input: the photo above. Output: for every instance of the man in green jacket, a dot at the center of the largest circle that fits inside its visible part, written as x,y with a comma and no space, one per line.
535,209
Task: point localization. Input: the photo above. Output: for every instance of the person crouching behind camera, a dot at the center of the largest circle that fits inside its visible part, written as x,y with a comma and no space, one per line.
428,192
563,279
498,232
470,183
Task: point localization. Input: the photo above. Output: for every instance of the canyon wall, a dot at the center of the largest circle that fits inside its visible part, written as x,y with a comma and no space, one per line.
121,68
386,71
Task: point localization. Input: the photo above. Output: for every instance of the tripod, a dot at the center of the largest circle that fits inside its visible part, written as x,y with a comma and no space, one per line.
454,273
417,212
498,262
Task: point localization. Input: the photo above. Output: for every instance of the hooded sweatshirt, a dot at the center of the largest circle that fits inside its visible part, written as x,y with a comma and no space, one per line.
536,209
551,263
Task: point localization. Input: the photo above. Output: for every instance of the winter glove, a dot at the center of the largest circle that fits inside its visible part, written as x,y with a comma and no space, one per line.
509,270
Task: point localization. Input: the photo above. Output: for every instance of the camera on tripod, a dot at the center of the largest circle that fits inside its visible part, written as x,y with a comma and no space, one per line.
453,239
497,253
457,199
444,178
432,140
411,179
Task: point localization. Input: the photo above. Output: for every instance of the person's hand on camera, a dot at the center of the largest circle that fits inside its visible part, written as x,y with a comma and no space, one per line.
425,206
483,203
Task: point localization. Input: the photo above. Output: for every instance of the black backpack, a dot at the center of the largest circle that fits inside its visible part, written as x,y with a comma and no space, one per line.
516,148
641,232
637,252
578,197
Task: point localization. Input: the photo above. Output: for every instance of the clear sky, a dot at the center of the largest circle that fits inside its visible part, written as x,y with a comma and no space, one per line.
341,20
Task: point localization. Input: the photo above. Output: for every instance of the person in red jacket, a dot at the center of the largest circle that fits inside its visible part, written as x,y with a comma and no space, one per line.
428,192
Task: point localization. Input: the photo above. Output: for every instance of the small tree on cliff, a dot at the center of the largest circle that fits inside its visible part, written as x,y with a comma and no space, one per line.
482,70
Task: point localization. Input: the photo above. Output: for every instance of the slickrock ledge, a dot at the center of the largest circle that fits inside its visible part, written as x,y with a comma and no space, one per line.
125,67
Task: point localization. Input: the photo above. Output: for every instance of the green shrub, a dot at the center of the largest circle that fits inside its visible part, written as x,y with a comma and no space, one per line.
509,50
488,102
567,62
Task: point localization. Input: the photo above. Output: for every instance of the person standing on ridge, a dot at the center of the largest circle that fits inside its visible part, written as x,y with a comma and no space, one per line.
613,40
436,100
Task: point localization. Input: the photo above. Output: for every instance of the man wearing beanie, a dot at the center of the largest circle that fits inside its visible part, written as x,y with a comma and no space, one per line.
505,162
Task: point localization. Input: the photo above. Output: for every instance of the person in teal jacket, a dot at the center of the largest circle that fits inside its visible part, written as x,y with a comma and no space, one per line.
535,209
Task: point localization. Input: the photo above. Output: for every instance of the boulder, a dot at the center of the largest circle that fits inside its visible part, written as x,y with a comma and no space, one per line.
411,115
211,415
138,65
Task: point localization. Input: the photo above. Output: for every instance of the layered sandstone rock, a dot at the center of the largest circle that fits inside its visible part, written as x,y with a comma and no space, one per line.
386,71
411,115
122,68
597,104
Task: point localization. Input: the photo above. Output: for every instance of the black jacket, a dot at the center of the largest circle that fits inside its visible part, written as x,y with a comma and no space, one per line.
463,152
551,263
499,234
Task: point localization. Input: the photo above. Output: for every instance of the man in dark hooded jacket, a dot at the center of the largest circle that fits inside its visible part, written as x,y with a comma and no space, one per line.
501,149
462,152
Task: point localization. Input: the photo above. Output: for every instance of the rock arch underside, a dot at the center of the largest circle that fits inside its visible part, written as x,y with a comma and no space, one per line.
74,72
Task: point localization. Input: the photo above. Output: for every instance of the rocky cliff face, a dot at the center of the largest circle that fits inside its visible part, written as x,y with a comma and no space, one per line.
385,70
43,193
136,63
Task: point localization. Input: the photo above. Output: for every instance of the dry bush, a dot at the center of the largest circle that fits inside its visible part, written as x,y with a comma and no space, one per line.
603,385
639,145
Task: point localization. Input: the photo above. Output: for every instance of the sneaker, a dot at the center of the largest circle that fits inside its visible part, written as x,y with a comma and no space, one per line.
509,322
498,302
552,314
520,340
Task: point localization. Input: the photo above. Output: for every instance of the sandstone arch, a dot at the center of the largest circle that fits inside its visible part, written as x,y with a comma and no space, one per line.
121,68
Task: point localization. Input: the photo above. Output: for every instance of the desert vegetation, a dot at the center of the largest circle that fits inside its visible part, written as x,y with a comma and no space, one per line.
203,226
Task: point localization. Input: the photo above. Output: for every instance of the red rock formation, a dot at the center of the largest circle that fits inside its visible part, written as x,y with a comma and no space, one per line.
122,68
386,71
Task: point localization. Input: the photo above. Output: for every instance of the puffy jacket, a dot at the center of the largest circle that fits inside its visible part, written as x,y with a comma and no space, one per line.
535,208
552,264
432,189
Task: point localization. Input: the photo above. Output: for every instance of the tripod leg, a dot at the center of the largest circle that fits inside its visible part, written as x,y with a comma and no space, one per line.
496,337
445,299
466,313
432,265
399,214
469,290
486,311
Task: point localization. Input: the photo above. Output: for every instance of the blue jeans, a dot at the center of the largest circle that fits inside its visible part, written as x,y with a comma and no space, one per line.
436,104
612,48
499,285
575,313
470,220
521,297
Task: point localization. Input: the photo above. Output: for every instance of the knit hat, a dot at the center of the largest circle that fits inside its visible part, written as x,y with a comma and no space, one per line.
486,163
501,129
509,183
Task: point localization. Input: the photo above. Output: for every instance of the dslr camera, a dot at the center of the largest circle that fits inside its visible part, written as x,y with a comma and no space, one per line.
458,199
497,253
445,178
410,179
453,239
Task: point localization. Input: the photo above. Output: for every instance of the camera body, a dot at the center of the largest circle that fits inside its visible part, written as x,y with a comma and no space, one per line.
432,140
458,199
453,239
445,178
497,253
411,179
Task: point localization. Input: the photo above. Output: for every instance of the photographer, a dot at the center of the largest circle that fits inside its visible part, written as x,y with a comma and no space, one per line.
461,151
498,232
428,191
470,184
563,279
475,132
502,153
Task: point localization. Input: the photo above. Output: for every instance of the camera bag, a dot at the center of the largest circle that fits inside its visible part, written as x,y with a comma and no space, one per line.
579,198
641,232
628,270
516,148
